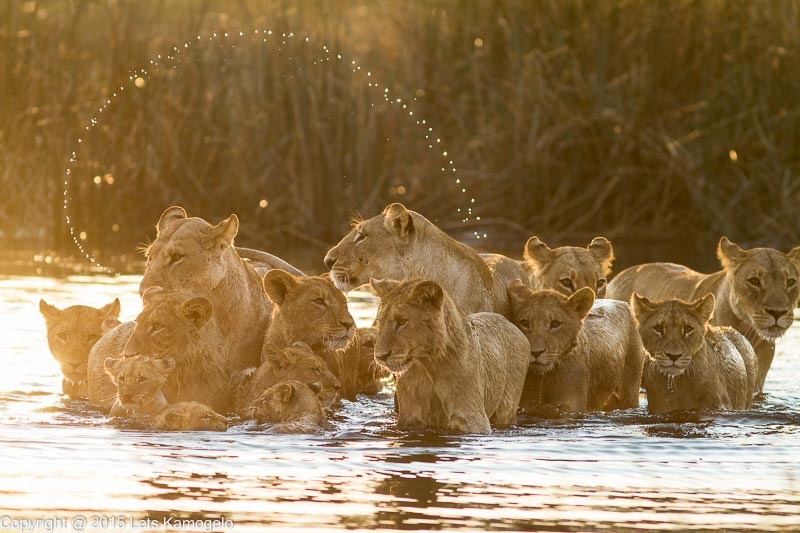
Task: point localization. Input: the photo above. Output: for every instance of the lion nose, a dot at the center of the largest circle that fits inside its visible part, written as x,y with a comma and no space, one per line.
383,356
347,323
330,260
776,313
674,356
536,353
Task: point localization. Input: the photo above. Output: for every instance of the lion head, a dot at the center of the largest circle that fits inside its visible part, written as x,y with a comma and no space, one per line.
73,331
299,363
764,286
412,322
289,401
374,248
189,253
139,378
168,324
550,321
309,310
569,268
672,331
191,416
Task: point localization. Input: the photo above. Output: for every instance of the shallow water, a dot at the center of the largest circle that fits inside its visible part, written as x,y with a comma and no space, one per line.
626,470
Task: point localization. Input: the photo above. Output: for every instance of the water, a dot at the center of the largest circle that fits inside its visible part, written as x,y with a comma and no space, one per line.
625,470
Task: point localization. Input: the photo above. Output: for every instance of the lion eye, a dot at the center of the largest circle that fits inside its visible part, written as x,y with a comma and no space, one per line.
142,379
659,329
93,338
62,336
600,283
566,282
791,282
400,322
754,281
319,301
687,330
157,327
359,237
175,258
555,324
525,323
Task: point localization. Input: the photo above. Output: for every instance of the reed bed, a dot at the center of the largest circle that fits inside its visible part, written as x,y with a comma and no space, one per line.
648,122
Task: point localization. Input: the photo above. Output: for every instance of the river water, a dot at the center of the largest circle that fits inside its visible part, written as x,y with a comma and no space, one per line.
626,470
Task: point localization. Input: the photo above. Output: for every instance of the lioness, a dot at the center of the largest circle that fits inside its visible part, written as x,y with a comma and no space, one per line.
756,292
454,372
569,268
177,325
585,354
296,362
691,364
190,254
293,407
400,244
139,381
190,416
71,333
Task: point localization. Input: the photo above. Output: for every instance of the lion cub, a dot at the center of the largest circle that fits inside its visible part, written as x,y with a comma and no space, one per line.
455,372
692,364
296,362
139,380
71,333
569,268
293,406
585,354
191,416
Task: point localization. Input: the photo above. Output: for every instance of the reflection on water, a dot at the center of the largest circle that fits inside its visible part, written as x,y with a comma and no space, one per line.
619,471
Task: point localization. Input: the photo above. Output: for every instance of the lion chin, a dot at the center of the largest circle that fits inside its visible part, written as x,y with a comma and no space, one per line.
339,343
343,281
671,370
772,333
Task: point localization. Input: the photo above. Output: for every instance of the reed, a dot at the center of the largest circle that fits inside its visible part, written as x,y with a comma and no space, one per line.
643,121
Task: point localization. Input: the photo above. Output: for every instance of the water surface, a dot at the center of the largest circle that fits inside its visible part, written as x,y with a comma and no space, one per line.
619,471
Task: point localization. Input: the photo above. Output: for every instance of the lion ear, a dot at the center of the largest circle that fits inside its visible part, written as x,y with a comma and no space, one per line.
729,253
315,387
223,233
704,306
198,310
537,252
111,365
518,291
151,294
427,293
383,286
285,392
50,312
170,215
164,366
642,307
603,252
111,310
398,220
794,256
581,301
277,284
273,355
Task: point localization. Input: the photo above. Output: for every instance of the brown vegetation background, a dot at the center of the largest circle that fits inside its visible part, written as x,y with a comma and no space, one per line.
661,125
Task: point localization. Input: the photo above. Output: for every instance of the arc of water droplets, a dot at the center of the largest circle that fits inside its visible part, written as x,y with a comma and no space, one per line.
135,77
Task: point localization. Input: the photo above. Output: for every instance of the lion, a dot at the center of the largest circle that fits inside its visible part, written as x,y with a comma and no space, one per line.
569,268
139,381
756,293
400,244
190,416
191,254
692,364
585,354
293,406
360,373
71,333
456,373
172,324
296,362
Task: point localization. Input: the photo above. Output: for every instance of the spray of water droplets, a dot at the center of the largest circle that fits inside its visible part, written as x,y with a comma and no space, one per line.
172,59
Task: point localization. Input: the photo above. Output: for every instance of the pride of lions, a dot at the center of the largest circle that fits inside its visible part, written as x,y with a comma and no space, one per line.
469,339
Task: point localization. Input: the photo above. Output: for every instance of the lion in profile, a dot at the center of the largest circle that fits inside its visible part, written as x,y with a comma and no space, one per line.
569,268
756,293
293,406
174,325
692,364
400,244
455,373
71,333
190,416
139,380
585,354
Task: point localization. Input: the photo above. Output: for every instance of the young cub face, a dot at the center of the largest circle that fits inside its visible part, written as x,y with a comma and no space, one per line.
138,378
289,401
191,416
672,331
299,363
569,268
73,331
550,321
